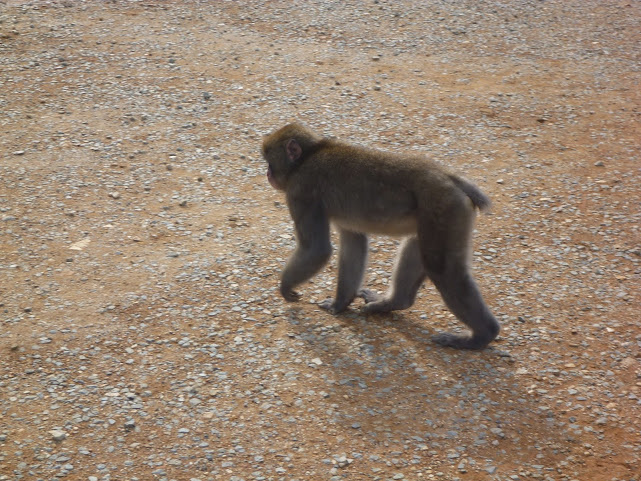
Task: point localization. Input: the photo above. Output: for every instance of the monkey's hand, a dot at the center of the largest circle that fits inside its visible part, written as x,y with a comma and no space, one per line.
289,294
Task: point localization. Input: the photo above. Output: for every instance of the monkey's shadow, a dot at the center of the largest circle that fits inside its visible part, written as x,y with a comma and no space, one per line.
386,375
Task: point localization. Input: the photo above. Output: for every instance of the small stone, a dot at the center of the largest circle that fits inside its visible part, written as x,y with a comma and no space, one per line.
58,435
19,152
628,363
343,461
114,195
599,163
81,244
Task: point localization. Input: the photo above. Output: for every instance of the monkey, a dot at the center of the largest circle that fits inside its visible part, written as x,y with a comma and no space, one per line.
364,191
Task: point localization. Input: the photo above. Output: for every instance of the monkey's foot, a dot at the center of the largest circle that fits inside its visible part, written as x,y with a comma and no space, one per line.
383,305
460,342
332,306
376,303
368,295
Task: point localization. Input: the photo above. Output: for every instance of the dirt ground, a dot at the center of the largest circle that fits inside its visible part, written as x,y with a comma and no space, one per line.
142,334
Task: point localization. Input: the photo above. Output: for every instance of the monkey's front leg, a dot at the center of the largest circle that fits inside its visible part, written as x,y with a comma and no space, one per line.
311,254
302,265
351,268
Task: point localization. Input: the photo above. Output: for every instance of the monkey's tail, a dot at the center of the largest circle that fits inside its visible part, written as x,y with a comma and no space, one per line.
478,198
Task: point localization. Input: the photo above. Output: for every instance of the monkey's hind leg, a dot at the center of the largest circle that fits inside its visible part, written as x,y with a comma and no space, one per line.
408,276
463,297
445,252
352,258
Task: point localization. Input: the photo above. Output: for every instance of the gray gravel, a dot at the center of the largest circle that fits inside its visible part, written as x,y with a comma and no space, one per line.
142,333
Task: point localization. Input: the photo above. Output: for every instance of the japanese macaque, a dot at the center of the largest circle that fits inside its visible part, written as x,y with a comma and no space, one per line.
364,191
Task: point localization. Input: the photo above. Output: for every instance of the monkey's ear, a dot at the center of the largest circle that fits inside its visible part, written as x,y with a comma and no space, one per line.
293,149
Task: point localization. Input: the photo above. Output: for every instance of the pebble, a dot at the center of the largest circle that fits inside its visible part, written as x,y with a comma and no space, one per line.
58,435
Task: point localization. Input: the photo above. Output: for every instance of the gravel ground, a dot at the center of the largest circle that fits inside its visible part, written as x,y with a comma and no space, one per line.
142,334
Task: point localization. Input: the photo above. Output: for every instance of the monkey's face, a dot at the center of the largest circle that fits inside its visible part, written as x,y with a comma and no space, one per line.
283,151
273,156
272,180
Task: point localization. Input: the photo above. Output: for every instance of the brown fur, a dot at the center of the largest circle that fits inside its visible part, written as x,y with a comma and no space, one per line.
364,191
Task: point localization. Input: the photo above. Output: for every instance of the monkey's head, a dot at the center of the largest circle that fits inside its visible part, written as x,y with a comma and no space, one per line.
285,149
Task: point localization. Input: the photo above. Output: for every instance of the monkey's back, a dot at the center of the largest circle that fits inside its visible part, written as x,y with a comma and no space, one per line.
367,190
